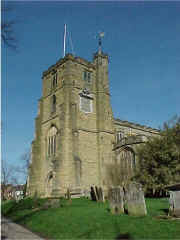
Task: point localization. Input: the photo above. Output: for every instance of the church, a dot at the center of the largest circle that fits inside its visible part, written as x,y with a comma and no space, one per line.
76,134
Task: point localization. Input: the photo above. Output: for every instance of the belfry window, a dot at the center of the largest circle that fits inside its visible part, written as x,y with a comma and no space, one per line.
54,80
119,136
51,141
53,104
87,76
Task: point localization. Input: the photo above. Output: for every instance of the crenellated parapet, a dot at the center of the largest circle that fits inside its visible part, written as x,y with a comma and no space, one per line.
68,57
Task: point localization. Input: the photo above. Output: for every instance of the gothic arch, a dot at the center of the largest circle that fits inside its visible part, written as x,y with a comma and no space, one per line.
51,141
53,103
49,183
48,129
126,157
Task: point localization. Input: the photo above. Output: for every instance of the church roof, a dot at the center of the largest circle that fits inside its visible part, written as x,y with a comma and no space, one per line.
135,125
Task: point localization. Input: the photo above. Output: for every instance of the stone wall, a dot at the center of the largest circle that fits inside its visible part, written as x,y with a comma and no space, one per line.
84,140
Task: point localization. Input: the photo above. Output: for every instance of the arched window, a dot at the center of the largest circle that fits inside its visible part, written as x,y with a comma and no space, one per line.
51,141
54,80
130,158
126,158
119,136
87,76
53,108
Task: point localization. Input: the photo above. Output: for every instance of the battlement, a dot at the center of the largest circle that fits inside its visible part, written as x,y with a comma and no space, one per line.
135,126
68,57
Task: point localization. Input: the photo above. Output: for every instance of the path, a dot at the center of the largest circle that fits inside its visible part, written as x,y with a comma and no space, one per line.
11,230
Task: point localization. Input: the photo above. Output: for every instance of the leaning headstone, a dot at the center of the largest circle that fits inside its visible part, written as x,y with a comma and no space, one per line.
101,195
97,192
93,194
87,193
174,201
69,196
134,197
116,200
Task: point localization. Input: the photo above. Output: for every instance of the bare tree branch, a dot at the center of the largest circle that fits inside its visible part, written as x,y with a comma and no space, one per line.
8,176
26,157
6,172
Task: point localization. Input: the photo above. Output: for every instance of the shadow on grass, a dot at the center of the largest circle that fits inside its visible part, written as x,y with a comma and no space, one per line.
86,235
13,214
24,218
125,211
108,209
10,210
123,236
165,210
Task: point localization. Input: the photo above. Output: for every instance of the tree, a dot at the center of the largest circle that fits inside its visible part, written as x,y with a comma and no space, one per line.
159,159
8,176
5,172
26,160
13,175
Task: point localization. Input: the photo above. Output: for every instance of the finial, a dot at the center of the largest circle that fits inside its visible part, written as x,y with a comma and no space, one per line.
101,35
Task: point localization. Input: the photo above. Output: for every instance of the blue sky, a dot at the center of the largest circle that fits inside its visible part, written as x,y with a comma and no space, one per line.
141,38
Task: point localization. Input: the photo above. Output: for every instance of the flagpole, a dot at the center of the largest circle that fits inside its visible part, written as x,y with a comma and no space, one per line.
64,40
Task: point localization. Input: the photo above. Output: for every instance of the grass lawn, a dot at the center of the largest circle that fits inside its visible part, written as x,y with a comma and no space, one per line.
85,219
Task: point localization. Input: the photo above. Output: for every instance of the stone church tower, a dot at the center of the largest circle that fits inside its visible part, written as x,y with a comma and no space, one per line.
76,136
74,129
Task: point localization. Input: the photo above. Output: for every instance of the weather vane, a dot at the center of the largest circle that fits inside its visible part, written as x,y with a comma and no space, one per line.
100,35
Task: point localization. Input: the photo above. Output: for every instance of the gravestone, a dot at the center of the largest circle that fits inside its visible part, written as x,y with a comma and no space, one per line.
93,194
87,193
69,196
174,199
97,192
116,200
101,194
134,197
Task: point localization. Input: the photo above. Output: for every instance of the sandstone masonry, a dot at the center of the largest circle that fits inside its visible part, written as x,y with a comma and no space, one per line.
76,135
